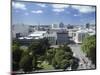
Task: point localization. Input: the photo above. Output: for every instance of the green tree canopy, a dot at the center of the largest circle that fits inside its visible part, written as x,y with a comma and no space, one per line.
26,63
62,57
50,54
89,47
40,46
38,49
16,56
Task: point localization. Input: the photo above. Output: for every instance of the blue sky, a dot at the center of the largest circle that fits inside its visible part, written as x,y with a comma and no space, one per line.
43,13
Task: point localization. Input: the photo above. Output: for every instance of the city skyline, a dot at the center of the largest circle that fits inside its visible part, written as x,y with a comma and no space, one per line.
47,13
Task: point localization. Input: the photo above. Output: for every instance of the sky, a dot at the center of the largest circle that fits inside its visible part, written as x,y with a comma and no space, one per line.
31,13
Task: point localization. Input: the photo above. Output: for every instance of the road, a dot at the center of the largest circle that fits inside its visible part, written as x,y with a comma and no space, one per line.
84,63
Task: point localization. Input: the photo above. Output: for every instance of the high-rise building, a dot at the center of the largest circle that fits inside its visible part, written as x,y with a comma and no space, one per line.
70,26
88,25
61,25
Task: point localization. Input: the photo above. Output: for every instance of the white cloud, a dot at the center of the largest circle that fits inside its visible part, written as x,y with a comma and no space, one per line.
18,5
41,5
84,9
58,10
37,11
76,15
58,6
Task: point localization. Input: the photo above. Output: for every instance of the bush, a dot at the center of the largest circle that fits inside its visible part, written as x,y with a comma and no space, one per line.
26,63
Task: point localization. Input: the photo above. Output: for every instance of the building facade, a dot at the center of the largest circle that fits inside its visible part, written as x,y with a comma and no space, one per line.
62,38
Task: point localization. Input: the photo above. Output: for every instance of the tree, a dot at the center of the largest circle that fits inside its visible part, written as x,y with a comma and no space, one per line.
16,53
45,44
15,66
54,63
62,57
34,49
38,49
65,64
89,47
74,63
40,46
16,56
49,55
26,63
34,63
16,42
67,48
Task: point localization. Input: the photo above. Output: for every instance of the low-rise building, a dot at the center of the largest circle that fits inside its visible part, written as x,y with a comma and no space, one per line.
80,36
62,38
52,37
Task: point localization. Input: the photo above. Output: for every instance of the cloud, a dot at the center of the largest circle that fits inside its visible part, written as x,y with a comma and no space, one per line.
41,5
37,11
76,14
18,5
58,6
58,10
84,9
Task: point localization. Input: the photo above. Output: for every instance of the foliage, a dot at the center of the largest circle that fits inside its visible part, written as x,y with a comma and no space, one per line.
89,47
16,56
16,53
50,54
15,66
67,48
38,49
40,46
16,42
26,63
39,55
62,57
65,64
46,66
74,63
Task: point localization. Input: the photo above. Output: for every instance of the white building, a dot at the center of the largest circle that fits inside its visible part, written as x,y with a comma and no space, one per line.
37,34
34,35
53,26
52,37
72,32
82,34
